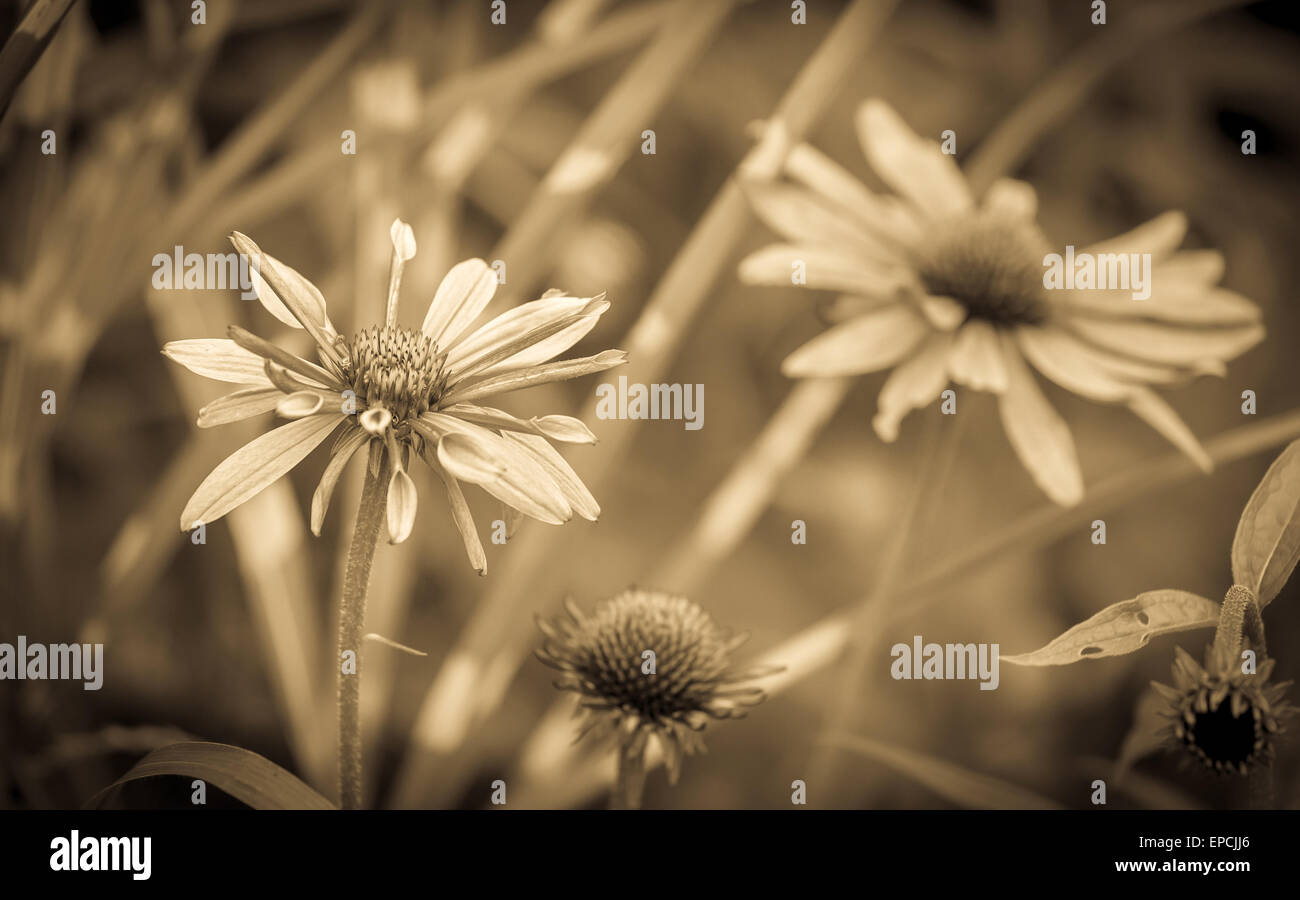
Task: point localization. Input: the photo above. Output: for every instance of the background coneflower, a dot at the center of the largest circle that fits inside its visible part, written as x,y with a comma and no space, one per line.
648,664
939,288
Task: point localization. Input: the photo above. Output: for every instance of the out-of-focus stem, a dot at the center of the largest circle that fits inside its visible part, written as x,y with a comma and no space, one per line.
629,782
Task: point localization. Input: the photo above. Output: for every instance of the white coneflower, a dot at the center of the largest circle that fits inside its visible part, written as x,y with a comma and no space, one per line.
937,288
400,391
603,658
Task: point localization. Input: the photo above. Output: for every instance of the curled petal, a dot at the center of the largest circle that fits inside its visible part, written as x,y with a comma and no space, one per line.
299,405
239,406
350,440
375,420
468,458
401,506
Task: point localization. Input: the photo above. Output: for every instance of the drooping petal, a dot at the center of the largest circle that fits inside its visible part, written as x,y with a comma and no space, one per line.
350,441
462,517
867,344
581,499
401,505
1157,413
1061,358
252,467
239,406
912,385
464,293
469,458
522,483
524,378
976,359
220,359
823,268
914,167
1038,434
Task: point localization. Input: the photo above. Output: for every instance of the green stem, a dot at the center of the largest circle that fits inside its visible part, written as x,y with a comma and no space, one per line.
629,783
352,617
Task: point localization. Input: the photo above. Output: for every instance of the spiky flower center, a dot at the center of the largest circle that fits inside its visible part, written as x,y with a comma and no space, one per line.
1227,736
691,654
988,264
398,369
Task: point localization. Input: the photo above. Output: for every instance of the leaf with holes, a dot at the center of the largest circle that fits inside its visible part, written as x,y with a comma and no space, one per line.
243,774
1124,627
1267,545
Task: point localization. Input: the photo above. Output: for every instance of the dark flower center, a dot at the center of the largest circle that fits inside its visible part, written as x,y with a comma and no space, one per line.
398,369
1224,739
690,655
989,265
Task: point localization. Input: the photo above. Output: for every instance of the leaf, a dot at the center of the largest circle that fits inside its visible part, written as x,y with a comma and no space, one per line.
1124,627
964,788
1267,545
243,774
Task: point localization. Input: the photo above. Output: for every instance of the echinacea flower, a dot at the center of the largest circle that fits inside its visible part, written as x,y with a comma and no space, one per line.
938,287
603,658
398,391
1226,718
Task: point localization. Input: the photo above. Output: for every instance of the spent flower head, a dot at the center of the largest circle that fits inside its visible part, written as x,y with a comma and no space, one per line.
603,658
1227,718
401,391
937,287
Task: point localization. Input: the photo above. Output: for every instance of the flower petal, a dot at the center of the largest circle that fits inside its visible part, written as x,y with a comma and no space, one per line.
912,385
976,360
1180,302
299,405
469,458
302,298
464,293
239,406
258,346
1038,434
401,505
869,343
559,428
823,268
914,167
562,370
350,441
806,217
885,216
1157,413
498,345
252,467
1159,237
1167,344
579,497
1061,358
1012,199
464,521
218,358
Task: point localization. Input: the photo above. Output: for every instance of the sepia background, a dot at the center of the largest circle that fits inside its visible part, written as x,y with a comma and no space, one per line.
173,133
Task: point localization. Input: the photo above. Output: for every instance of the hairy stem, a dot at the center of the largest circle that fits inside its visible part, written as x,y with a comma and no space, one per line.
352,617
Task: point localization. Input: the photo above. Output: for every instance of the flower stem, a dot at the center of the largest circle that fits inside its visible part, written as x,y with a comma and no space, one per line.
629,783
352,617
937,458
1240,614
